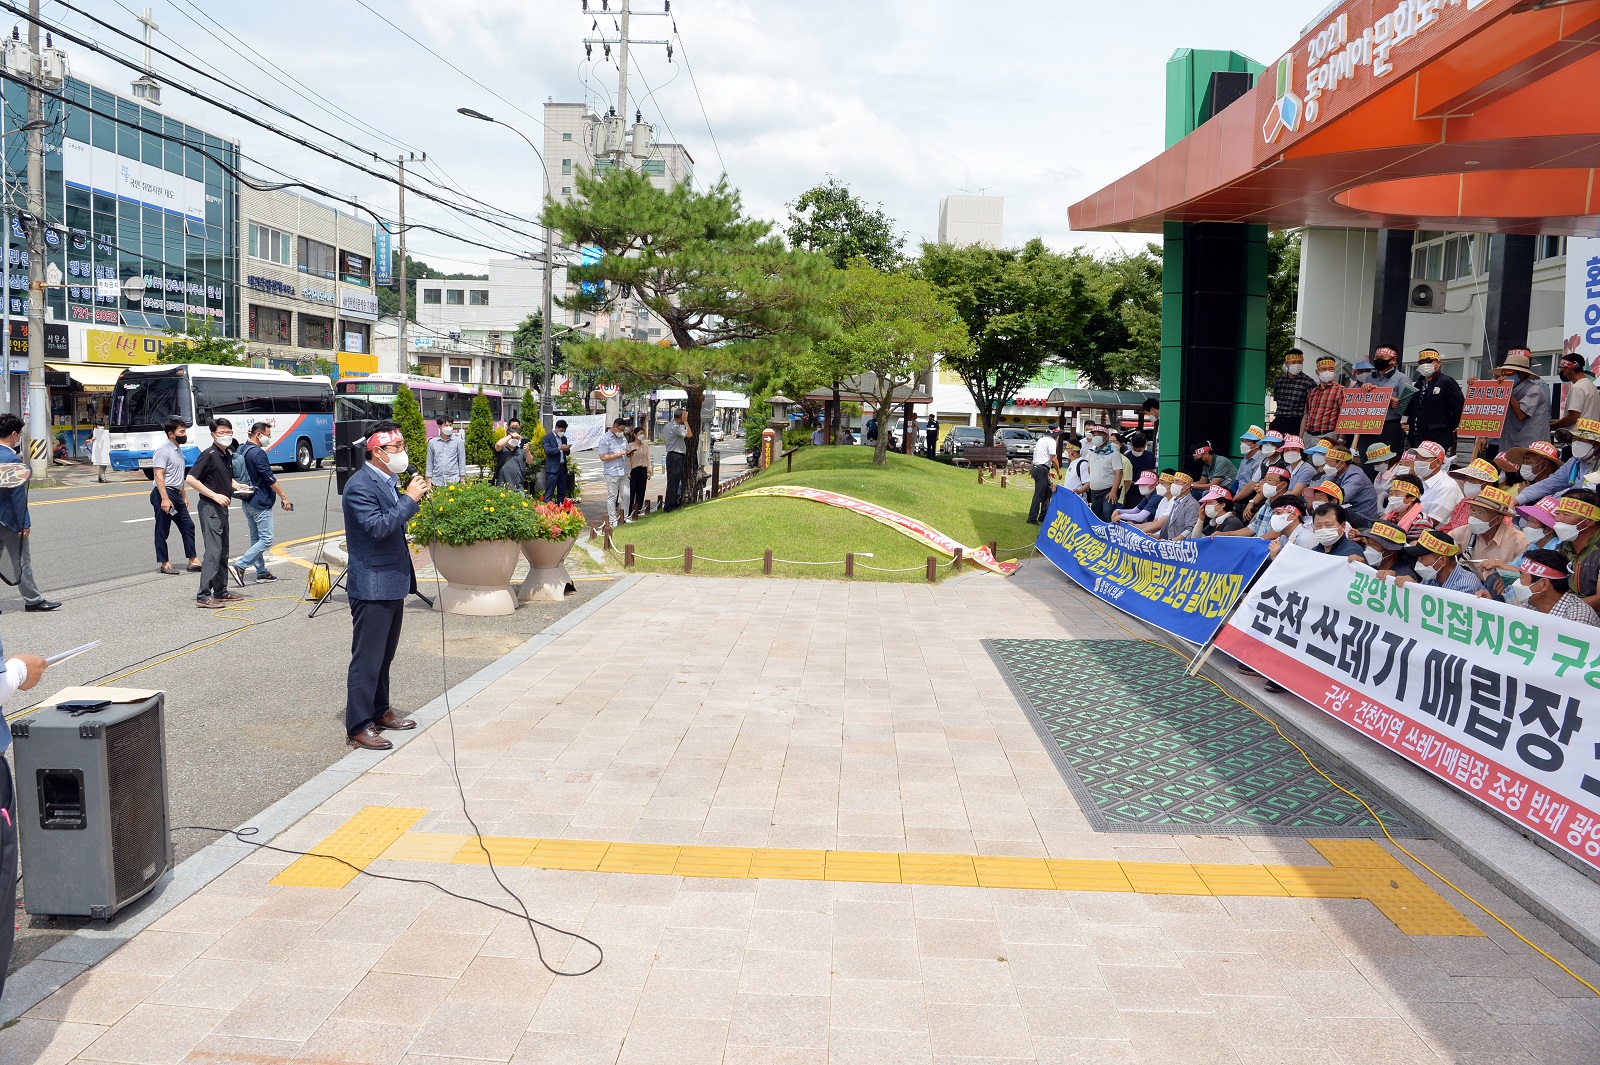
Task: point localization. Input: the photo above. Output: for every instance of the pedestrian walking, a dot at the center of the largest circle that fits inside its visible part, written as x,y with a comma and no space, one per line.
1045,463
379,578
212,477
170,496
638,470
614,464
15,523
20,674
556,450
447,454
258,508
100,450
677,435
511,458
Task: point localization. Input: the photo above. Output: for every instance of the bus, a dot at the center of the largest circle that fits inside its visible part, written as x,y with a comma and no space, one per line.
372,399
299,409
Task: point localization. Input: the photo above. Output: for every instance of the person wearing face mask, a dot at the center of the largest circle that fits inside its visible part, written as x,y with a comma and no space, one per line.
1145,500
1289,521
1250,466
1105,472
1434,412
1528,413
1257,512
1301,473
1163,494
447,454
1383,548
1583,400
1183,520
1360,498
1271,447
1289,393
1141,455
1380,466
1386,374
1537,465
1214,468
1538,523
1581,470
1543,585
1437,562
1577,526
170,497
378,579
212,477
1471,479
1217,516
1403,505
1322,402
1328,530
1488,540
1440,492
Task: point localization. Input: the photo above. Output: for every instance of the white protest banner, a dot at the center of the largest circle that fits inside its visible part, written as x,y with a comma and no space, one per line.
1500,702
1583,294
585,430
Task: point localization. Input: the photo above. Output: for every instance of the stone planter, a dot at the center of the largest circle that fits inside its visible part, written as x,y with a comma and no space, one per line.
547,577
478,577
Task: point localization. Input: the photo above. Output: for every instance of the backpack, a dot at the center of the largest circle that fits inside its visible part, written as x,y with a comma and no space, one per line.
241,472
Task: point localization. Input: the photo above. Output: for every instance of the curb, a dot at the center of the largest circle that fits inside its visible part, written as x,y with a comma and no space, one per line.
43,976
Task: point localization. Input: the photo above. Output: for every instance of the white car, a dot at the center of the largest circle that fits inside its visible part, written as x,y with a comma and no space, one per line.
716,433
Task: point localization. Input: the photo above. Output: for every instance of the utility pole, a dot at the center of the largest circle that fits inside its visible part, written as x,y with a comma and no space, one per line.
38,396
614,142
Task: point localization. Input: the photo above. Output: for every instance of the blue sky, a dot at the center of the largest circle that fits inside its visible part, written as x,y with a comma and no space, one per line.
906,101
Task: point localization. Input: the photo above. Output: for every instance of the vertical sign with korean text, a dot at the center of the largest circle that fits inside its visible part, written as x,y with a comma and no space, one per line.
383,245
1500,702
1362,410
1583,295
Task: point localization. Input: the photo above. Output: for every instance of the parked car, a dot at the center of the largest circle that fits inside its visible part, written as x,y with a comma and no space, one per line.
962,436
1017,442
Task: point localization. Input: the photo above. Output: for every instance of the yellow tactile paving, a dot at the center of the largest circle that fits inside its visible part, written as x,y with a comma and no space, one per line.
357,842
1357,869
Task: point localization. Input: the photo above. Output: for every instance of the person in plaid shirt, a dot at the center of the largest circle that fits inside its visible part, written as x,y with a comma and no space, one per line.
1289,393
1322,402
1544,586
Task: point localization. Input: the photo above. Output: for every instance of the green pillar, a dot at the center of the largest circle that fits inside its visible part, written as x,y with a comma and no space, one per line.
1214,291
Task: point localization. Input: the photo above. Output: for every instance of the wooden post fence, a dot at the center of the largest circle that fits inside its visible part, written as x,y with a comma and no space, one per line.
933,568
688,559
627,556
850,564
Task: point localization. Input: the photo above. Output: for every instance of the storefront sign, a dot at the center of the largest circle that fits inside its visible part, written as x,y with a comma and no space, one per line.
1583,294
100,345
55,340
317,295
384,267
1362,410
1499,702
270,285
1185,587
1485,412
358,306
357,364
87,167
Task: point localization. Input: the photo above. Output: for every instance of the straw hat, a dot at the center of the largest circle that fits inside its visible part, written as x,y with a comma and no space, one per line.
1499,500
1518,360
1586,429
1540,449
1478,470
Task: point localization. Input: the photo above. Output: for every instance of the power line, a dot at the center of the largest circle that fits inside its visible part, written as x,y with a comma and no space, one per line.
683,48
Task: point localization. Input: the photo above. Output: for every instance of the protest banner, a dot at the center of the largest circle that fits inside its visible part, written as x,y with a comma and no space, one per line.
1488,698
1185,587
1362,411
1484,414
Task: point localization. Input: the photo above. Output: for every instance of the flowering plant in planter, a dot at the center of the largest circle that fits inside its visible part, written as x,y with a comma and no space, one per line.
475,511
558,521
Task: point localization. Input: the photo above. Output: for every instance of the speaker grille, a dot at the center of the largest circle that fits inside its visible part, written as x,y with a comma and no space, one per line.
138,815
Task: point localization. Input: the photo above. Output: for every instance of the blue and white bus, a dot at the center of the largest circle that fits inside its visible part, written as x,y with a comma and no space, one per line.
300,410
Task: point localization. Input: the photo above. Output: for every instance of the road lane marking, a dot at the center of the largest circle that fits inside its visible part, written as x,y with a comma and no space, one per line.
135,521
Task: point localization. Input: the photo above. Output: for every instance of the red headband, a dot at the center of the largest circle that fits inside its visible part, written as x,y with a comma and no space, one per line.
384,439
1539,569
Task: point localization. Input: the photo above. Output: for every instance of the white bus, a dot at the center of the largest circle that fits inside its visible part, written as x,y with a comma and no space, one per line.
300,410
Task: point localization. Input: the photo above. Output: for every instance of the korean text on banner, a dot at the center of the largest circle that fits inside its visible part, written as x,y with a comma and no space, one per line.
383,245
1583,294
1362,410
1500,702
1185,587
1485,412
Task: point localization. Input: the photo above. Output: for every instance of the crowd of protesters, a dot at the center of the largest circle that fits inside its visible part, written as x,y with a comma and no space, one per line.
1517,520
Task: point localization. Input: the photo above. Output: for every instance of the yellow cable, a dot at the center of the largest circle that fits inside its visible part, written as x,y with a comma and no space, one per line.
1375,816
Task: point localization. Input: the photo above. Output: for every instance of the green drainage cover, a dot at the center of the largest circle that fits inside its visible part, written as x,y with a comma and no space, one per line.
1144,747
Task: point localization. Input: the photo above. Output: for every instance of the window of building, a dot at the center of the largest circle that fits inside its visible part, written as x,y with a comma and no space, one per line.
478,297
1549,248
428,365
566,166
1445,257
654,167
270,244
602,165
566,190
454,296
316,332
461,370
430,295
317,258
566,136
355,269
355,336
269,325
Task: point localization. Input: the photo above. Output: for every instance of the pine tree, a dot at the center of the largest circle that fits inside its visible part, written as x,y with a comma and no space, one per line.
408,416
480,434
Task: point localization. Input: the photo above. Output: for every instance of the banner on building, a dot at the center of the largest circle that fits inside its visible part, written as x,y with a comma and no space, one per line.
1185,587
383,268
1485,412
1500,702
1363,410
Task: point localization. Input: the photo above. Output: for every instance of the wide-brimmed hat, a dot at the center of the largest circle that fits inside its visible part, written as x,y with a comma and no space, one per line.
1330,489
1431,543
1500,500
1388,533
1539,449
1379,452
1586,429
1542,512
1517,360
1253,434
1293,443
1478,470
1217,492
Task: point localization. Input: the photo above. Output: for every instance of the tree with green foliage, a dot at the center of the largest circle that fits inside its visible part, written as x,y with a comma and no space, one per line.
833,221
1022,308
480,433
530,407
891,328
408,416
1122,338
1283,296
735,300
198,341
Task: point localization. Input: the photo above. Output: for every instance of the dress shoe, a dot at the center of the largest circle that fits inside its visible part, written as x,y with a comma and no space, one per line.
195,567
43,604
368,740
231,597
389,721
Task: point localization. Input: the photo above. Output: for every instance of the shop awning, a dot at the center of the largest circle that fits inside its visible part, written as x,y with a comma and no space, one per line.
87,377
1075,398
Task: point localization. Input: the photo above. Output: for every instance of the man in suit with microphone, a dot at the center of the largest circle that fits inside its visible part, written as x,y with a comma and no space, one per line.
378,579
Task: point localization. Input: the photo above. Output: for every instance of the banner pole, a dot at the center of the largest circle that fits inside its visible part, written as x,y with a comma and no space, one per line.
1204,654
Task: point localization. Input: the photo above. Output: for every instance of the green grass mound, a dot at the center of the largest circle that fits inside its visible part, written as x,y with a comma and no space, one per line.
737,530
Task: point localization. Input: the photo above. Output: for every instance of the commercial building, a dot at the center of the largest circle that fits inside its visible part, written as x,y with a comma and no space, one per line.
307,284
965,220
464,327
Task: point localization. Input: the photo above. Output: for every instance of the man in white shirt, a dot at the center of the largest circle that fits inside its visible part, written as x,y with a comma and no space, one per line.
1583,401
1045,463
1105,472
613,449
1440,491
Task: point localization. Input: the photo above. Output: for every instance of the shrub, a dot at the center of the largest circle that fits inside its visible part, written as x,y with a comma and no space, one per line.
466,513
408,416
480,434
560,521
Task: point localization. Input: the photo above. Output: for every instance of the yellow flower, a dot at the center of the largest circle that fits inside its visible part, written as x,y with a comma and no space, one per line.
491,510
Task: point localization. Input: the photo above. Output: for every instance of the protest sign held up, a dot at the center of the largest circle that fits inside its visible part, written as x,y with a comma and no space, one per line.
1362,410
1484,415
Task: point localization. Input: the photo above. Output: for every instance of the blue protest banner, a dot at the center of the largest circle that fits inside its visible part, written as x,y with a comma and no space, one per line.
1185,587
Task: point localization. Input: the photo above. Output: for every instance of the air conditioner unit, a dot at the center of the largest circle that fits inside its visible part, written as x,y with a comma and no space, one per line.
92,805
1426,296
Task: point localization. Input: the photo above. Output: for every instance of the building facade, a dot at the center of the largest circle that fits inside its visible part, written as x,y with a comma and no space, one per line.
306,273
464,327
965,220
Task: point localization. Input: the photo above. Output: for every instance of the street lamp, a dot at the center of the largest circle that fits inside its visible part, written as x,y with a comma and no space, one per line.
546,407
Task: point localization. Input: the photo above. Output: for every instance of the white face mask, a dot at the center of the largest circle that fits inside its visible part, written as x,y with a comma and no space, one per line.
1478,525
1144,489
1095,439
1582,449
1294,367
1269,450
1396,502
1291,457
446,430
397,464
1519,593
222,441
1161,490
1362,375
1325,376
1379,467
1212,510
1374,556
1319,461
1270,490
1426,572
1428,369
1526,469
1327,537
1566,532
1471,489
1281,522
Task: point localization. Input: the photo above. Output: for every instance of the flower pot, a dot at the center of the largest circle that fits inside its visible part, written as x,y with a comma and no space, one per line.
547,578
478,577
